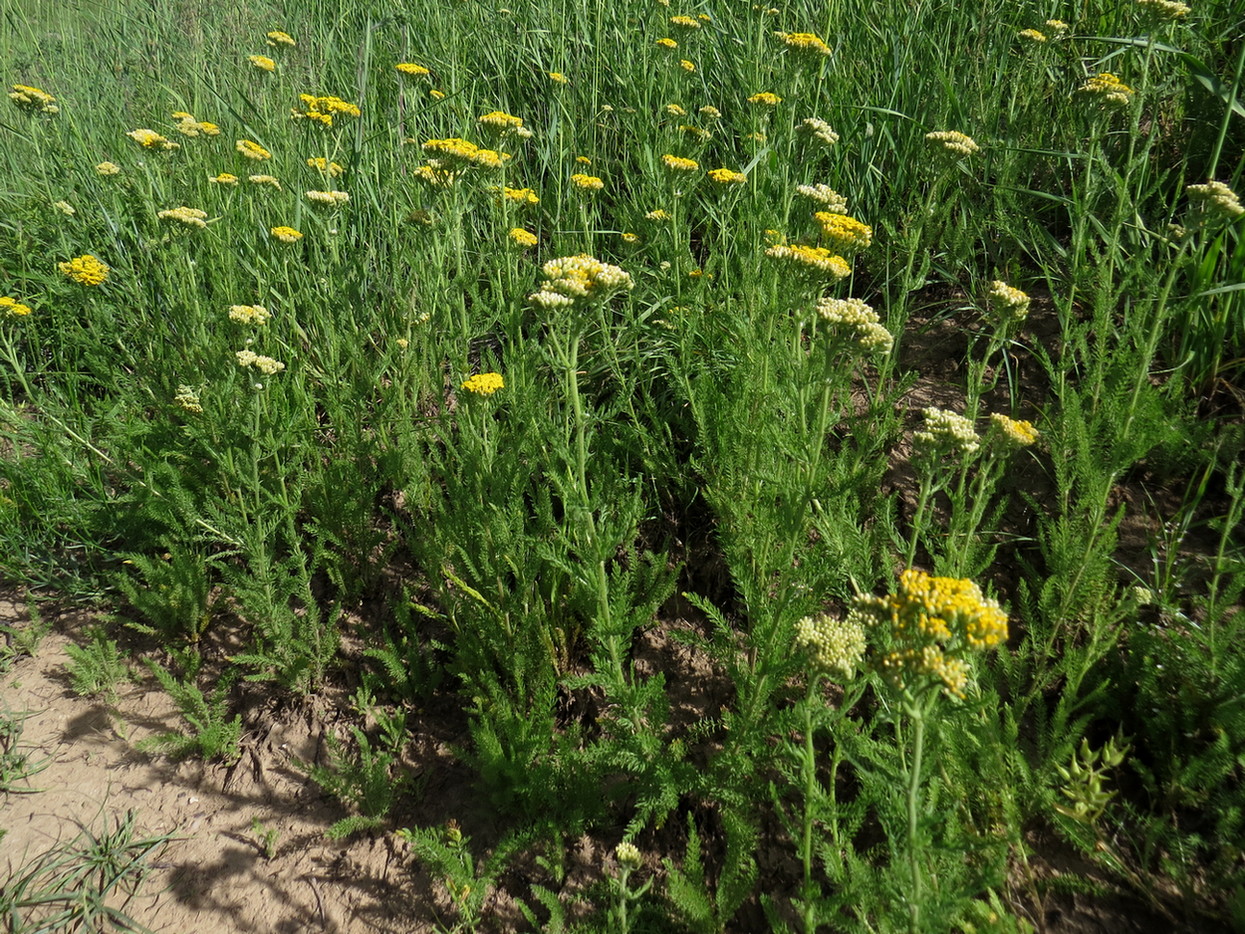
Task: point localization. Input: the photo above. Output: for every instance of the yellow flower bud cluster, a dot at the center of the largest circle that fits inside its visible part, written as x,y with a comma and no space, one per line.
252,150
150,139
1109,88
854,322
1165,9
944,432
332,199
572,280
32,100
804,42
814,259
679,164
1010,304
85,270
1014,432
484,384
257,315
834,202
1215,199
834,646
190,217
12,308
844,233
954,142
465,152
818,130
265,365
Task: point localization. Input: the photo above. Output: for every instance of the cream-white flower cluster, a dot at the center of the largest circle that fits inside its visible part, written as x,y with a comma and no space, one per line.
954,141
853,320
1216,199
834,646
819,130
577,279
328,198
249,314
823,194
946,431
265,365
1009,303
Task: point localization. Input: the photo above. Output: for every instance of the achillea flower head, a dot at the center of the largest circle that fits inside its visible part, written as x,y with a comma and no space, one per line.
65,208
265,180
188,400
679,164
484,384
190,217
286,234
727,176
834,202
1032,35
1014,432
587,182
813,259
675,110
500,121
1108,88
685,22
853,322
1165,9
1008,303
628,856
189,126
711,112
256,315
85,270
573,280
331,169
412,69
805,42
332,199
436,175
523,238
766,98
946,432
1057,26
252,150
150,139
265,365
818,130
108,168
32,100
687,65
464,152
954,142
524,197
667,44
835,646
558,78
277,37
658,215
224,178
1215,200
843,232
262,62
698,133
12,308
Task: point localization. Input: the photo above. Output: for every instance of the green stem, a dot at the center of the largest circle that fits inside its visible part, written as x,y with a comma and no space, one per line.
917,713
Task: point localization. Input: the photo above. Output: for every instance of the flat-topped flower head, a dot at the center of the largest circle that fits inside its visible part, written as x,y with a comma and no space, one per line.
464,152
1032,35
1008,303
150,139
224,178
188,400
844,233
628,856
85,270
834,646
1108,88
946,432
558,78
256,315
278,38
107,168
685,22
286,234
765,98
189,217
667,43
265,365
587,182
331,199
1057,26
727,176
853,323
1165,9
32,100
412,69
1215,201
954,142
252,150
804,42
522,238
815,260
270,180
262,62
484,384
834,202
817,130
500,122
524,197
1015,433
325,167
12,308
187,125
679,164
574,280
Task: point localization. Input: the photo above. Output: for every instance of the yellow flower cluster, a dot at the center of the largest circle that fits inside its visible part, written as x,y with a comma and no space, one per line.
934,620
687,65
658,215
277,37
188,399
12,308
843,232
1015,432
191,217
811,258
1057,26
252,150
265,365
667,44
727,176
954,142
500,121
850,319
804,42
265,180
150,139
834,202
1032,35
1009,304
834,646
331,199
436,174
818,130
463,151
412,69
521,196
1166,9
1215,199
946,431
484,384
572,280
685,22
331,169
765,97
1109,88
679,164
32,100
249,314
558,78
322,110
587,182
225,178
187,125
523,238
85,270
108,168
286,234
262,62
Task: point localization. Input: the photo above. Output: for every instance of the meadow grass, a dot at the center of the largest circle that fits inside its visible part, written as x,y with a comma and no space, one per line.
501,327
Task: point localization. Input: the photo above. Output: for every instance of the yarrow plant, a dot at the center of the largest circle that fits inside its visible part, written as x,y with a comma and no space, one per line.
286,234
12,308
818,130
256,315
954,142
587,182
574,280
805,42
1009,304
32,100
811,259
835,647
189,217
266,365
1214,201
1108,88
150,139
844,233
679,164
484,384
855,324
252,150
824,195
85,270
